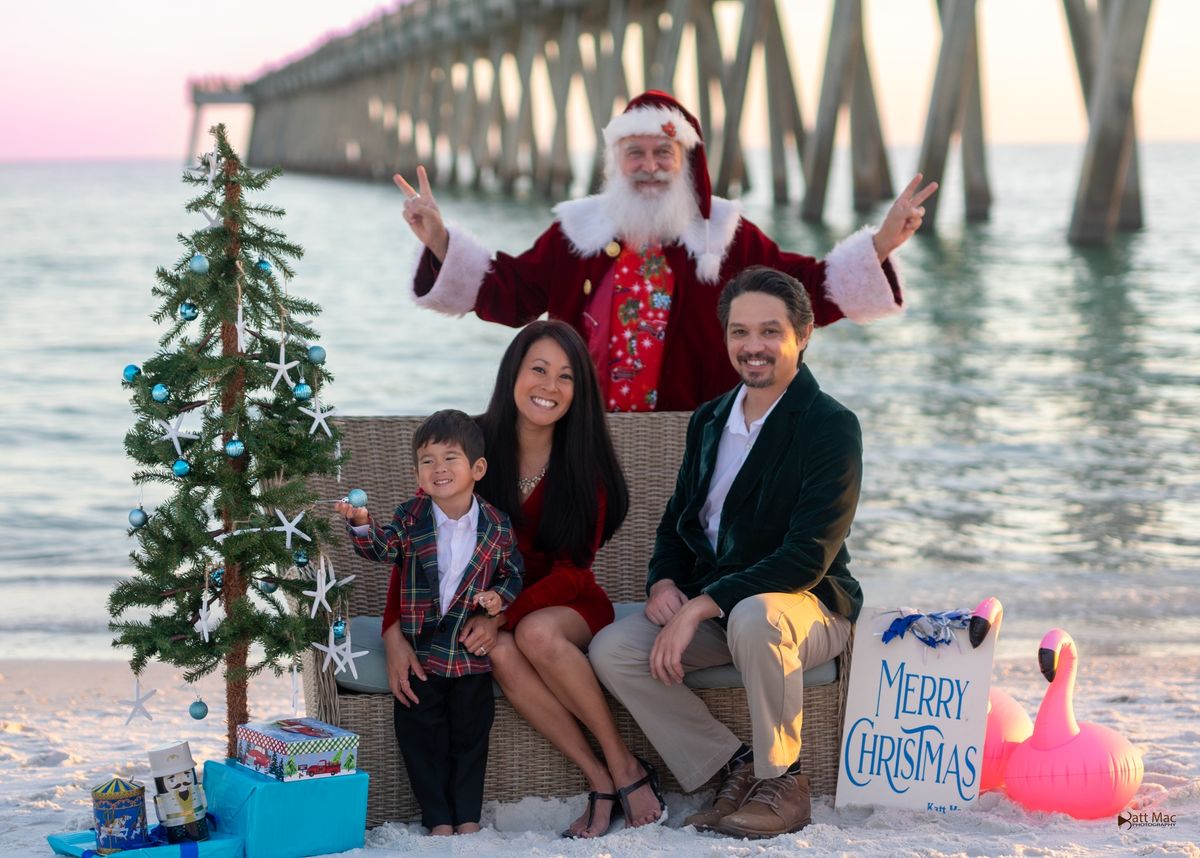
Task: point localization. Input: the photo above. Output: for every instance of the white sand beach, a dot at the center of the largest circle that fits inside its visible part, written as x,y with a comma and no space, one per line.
62,731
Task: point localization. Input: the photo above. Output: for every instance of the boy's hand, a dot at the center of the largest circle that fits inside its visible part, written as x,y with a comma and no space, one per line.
356,515
403,662
490,601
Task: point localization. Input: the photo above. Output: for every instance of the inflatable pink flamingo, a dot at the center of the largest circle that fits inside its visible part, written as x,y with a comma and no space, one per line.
1007,723
1085,770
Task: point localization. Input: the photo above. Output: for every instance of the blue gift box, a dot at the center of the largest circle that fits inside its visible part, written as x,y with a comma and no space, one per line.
278,819
218,845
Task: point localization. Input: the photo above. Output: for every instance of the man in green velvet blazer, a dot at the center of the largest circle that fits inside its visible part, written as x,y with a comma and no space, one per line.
750,567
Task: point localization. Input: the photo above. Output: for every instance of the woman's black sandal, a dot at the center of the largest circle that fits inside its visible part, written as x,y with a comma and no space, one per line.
651,778
594,797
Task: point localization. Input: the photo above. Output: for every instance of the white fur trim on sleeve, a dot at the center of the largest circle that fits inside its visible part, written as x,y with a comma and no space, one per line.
457,284
854,279
651,121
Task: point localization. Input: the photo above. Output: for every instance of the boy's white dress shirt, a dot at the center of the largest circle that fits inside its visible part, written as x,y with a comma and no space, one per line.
456,538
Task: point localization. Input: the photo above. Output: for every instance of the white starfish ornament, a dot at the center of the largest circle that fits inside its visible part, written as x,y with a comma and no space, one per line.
139,701
281,368
319,415
289,527
333,652
348,654
240,328
323,586
202,624
173,434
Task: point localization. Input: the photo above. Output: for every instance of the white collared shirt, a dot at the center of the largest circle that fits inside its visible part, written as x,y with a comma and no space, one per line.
456,539
737,440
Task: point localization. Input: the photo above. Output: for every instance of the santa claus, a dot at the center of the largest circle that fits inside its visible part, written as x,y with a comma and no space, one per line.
637,268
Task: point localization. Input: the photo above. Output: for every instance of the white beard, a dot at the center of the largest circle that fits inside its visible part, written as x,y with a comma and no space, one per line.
645,216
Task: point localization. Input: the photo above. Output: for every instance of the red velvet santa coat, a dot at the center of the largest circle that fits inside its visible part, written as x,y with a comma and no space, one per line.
564,270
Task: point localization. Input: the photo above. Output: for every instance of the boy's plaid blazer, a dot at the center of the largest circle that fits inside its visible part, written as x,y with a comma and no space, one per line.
410,544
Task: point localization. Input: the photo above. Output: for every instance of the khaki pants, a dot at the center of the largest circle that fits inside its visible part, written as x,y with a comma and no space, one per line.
771,639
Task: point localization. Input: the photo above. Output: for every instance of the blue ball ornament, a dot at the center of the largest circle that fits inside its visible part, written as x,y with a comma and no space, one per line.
198,710
188,311
198,264
138,518
316,354
159,393
339,629
302,391
131,372
357,498
217,576
181,468
300,558
235,447
263,265
267,586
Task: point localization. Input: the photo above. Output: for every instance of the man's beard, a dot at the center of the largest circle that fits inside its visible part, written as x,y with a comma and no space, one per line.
650,216
766,380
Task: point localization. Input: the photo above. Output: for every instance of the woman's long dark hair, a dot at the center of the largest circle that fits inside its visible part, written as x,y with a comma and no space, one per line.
582,457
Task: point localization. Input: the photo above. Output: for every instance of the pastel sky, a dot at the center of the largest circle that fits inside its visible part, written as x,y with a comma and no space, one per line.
85,80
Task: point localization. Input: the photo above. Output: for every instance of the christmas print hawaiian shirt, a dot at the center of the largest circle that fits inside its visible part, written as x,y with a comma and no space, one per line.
642,287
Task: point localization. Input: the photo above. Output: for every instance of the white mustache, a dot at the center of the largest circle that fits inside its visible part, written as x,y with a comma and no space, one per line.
648,176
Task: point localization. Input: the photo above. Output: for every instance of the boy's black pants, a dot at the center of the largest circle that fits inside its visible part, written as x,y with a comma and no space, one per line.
444,742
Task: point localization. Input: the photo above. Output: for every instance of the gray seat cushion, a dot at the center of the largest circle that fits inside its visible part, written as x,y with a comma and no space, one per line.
373,677
366,632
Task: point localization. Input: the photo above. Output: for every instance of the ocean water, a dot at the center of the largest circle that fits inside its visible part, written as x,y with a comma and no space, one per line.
1032,424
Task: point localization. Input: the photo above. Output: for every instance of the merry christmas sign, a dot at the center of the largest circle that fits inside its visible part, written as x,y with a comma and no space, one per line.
916,713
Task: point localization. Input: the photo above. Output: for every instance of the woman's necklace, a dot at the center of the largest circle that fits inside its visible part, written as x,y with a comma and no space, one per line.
528,484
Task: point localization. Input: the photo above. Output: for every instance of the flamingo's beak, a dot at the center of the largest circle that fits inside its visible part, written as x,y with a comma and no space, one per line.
1048,663
978,630
986,616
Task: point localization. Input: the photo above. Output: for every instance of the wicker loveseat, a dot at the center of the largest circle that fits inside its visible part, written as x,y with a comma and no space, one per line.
522,763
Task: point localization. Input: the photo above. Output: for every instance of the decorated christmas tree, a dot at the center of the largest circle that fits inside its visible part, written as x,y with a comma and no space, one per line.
229,418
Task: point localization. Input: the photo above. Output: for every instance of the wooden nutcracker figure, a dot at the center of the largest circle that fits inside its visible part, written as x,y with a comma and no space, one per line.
179,799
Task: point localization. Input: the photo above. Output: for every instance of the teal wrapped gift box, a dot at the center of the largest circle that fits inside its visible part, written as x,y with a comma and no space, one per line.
288,820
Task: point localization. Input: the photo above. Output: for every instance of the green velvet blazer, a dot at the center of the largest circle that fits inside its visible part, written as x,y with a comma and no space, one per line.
788,513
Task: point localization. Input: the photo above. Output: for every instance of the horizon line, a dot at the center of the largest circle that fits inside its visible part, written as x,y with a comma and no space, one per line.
48,160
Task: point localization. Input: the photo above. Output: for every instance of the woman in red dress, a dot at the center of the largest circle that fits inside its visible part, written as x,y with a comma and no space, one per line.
552,468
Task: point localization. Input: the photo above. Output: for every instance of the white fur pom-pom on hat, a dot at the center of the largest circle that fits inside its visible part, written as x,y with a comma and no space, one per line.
708,268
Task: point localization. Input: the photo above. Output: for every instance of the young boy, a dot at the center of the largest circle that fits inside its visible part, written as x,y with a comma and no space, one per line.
453,553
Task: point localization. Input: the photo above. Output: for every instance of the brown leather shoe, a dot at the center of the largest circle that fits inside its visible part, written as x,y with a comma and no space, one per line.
731,796
775,806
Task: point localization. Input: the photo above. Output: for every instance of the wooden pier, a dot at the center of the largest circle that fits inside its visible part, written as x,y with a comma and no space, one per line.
460,85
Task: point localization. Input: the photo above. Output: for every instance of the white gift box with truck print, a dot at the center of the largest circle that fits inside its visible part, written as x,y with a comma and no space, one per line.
293,749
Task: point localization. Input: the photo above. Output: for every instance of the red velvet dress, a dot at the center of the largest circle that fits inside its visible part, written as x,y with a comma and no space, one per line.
550,582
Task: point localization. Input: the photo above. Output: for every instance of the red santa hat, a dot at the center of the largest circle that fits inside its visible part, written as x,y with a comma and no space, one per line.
658,114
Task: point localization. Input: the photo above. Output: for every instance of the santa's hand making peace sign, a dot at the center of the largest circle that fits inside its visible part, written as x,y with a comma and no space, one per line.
422,214
903,218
